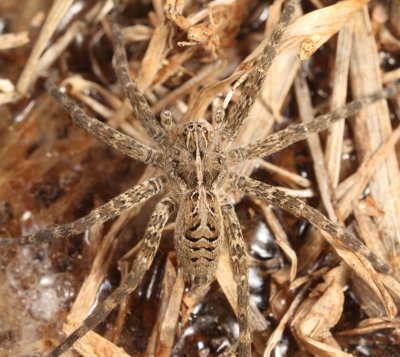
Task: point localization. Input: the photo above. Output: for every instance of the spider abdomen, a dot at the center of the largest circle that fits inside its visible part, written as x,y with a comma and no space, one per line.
199,236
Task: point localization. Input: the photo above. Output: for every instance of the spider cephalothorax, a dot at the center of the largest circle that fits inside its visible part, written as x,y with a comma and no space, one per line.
193,158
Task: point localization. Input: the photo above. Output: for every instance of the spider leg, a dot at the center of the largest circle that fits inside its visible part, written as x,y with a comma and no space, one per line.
256,76
294,133
111,209
237,254
142,263
140,107
298,208
121,142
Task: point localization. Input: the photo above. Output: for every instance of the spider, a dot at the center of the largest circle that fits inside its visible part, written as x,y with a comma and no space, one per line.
195,171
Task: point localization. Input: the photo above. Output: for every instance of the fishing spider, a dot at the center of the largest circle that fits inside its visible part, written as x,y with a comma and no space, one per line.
195,171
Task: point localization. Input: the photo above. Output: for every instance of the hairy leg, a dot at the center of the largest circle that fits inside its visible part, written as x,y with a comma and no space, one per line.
256,76
142,263
294,133
237,253
298,208
111,209
121,142
140,107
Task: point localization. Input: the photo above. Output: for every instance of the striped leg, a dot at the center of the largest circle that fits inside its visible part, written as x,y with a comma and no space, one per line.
142,263
140,107
111,209
294,133
298,208
121,142
237,253
256,76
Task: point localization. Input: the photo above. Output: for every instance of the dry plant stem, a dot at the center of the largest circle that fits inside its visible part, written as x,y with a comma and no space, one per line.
174,65
257,76
294,133
169,282
208,71
109,210
275,337
372,127
89,289
365,270
79,89
288,176
314,318
9,97
298,208
56,49
154,56
174,13
390,76
391,283
280,237
334,143
313,29
372,325
12,40
142,263
306,114
56,13
369,232
237,254
171,318
356,184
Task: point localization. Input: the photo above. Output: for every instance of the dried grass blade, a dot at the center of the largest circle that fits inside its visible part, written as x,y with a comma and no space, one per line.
92,344
334,142
316,316
167,285
224,275
275,337
314,29
306,114
371,128
170,321
366,272
372,325
358,181
12,40
280,237
56,13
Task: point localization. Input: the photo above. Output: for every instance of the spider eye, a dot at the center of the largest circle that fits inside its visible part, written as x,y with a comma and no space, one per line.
205,131
195,196
190,126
